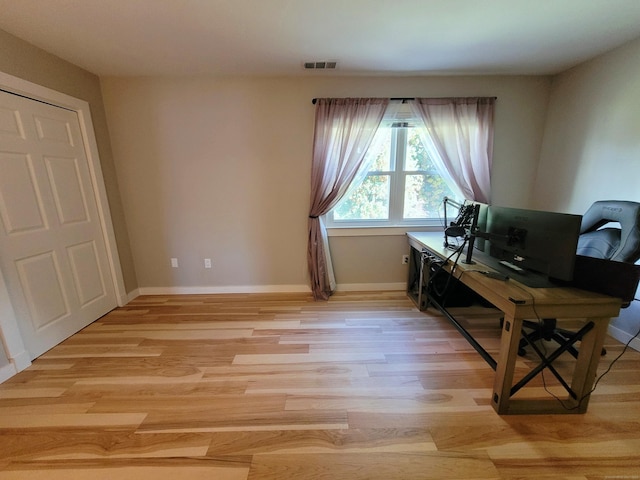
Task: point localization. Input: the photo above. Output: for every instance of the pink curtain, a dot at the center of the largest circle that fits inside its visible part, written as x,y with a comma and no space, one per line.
459,135
344,130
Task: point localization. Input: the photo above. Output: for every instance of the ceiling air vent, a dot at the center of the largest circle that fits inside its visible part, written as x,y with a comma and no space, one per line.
319,65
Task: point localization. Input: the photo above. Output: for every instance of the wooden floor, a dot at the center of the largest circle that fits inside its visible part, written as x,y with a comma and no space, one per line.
234,387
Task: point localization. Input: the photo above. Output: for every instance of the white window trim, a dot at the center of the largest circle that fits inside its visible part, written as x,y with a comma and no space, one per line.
381,231
395,222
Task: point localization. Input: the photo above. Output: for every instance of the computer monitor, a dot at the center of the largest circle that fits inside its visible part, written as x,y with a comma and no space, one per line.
533,241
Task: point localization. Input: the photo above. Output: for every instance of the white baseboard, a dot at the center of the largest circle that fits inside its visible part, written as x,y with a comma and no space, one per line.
226,289
370,287
16,365
21,361
6,372
624,337
133,295
345,287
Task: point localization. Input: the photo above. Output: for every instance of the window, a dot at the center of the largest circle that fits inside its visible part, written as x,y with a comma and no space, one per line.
402,186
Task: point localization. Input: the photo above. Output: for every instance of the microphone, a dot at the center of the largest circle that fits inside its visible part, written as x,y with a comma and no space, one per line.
455,231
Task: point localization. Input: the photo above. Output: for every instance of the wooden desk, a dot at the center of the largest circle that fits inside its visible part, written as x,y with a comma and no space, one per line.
518,302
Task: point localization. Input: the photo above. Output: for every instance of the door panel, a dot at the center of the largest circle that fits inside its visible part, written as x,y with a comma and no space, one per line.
10,123
52,249
20,207
53,130
42,284
87,276
64,178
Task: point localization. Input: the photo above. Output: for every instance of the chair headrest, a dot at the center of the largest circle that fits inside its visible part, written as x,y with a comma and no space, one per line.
627,214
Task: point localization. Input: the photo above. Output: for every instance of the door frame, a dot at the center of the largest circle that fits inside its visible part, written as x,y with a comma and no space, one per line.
18,357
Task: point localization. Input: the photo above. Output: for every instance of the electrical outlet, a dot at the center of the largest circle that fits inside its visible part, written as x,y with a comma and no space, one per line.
405,259
207,263
174,262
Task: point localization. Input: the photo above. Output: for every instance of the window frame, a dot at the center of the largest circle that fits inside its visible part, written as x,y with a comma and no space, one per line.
398,177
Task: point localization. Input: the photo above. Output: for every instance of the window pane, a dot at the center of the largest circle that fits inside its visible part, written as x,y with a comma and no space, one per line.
423,195
417,157
380,150
370,201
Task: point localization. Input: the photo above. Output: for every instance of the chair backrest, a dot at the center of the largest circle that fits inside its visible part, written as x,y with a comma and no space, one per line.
619,244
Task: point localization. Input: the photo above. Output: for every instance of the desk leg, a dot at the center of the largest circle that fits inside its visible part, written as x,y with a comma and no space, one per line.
509,342
587,364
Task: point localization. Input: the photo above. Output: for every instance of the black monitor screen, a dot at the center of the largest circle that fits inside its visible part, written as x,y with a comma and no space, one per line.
533,240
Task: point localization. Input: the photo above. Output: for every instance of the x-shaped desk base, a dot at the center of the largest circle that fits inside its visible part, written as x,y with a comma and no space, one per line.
547,361
591,336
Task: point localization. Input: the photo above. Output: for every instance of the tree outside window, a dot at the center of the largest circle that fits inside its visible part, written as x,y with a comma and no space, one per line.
402,185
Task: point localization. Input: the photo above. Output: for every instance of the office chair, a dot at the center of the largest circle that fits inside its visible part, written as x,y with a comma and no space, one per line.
612,243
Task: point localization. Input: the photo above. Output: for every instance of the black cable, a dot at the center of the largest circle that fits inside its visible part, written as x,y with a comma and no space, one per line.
441,266
464,219
544,353
540,322
453,269
595,383
626,346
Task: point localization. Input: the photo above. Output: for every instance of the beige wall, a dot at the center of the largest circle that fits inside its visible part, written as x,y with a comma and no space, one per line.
25,61
219,168
591,147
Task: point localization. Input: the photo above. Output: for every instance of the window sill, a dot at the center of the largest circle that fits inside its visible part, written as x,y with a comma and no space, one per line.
379,231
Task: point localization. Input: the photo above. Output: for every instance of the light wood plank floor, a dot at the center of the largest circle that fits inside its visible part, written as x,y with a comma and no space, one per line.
235,387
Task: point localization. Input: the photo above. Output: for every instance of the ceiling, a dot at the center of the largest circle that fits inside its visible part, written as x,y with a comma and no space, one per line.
275,37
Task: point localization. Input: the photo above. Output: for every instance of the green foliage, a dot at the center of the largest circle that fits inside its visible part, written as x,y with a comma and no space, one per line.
424,188
370,201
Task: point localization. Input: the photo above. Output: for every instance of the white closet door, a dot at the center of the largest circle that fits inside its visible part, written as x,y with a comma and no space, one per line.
52,248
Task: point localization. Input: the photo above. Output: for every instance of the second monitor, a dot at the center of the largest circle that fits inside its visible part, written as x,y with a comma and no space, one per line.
530,243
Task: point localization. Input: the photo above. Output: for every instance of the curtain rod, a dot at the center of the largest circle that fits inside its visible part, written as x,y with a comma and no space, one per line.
404,99
396,98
